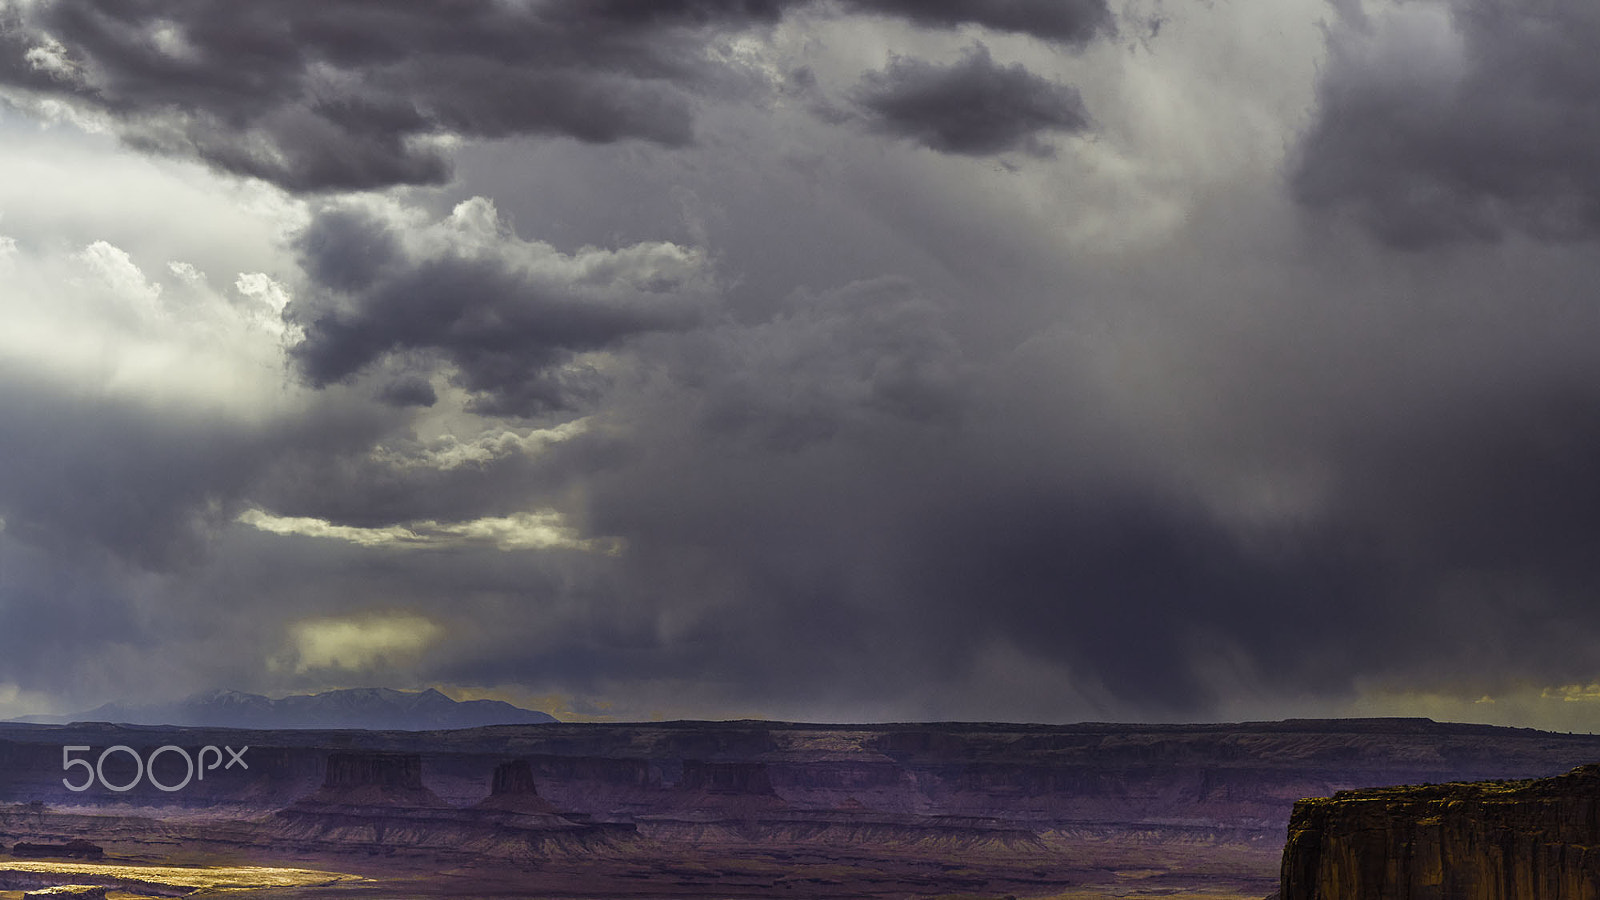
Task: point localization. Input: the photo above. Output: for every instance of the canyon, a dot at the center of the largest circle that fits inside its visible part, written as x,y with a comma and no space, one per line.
742,809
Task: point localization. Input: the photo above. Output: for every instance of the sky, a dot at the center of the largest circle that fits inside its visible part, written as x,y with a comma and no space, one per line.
826,360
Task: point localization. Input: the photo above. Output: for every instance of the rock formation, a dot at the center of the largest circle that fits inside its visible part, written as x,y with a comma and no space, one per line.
358,770
514,778
374,779
73,849
377,800
512,790
1223,776
1512,840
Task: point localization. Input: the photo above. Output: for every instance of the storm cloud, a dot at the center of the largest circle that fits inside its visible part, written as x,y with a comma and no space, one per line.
1467,120
974,107
509,317
563,350
347,95
1071,21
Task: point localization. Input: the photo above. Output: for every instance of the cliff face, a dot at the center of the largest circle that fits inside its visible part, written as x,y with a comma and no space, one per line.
1521,840
378,801
357,770
741,778
512,789
514,778
1232,778
374,779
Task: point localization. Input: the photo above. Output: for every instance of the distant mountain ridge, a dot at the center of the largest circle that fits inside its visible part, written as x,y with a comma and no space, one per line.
375,709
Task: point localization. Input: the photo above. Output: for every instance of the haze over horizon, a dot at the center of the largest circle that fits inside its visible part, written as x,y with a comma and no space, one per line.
819,360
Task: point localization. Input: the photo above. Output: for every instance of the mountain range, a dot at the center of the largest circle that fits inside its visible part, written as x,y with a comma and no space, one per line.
377,709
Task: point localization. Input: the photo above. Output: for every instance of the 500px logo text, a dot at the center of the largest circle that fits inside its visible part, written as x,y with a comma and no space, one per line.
145,767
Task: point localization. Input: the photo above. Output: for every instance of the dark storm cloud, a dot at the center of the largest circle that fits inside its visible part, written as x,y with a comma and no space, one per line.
63,615
1431,131
835,362
886,561
409,390
508,317
974,107
649,13
316,95
1067,21
882,560
1035,478
796,536
329,95
1503,481
1070,21
836,506
1468,518
1137,590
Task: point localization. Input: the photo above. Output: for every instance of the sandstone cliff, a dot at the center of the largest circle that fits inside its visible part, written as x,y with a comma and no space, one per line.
377,801
374,779
1513,840
512,789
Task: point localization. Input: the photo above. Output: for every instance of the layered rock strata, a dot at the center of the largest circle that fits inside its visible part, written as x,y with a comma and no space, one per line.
1512,840
375,779
727,778
379,800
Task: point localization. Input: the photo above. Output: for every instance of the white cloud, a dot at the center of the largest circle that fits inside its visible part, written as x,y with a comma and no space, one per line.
98,323
66,187
475,228
305,526
116,272
268,299
540,530
114,269
50,57
447,451
523,531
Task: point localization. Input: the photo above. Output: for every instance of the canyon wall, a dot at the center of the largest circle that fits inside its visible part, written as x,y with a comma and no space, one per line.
513,778
1510,840
350,771
743,778
1182,779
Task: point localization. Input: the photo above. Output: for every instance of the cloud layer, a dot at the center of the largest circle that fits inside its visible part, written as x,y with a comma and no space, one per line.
850,360
346,95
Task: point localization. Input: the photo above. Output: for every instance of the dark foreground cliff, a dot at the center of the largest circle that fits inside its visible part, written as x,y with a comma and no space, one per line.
1507,840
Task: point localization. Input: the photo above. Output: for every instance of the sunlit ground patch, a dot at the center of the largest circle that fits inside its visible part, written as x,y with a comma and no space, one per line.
216,878
1108,892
